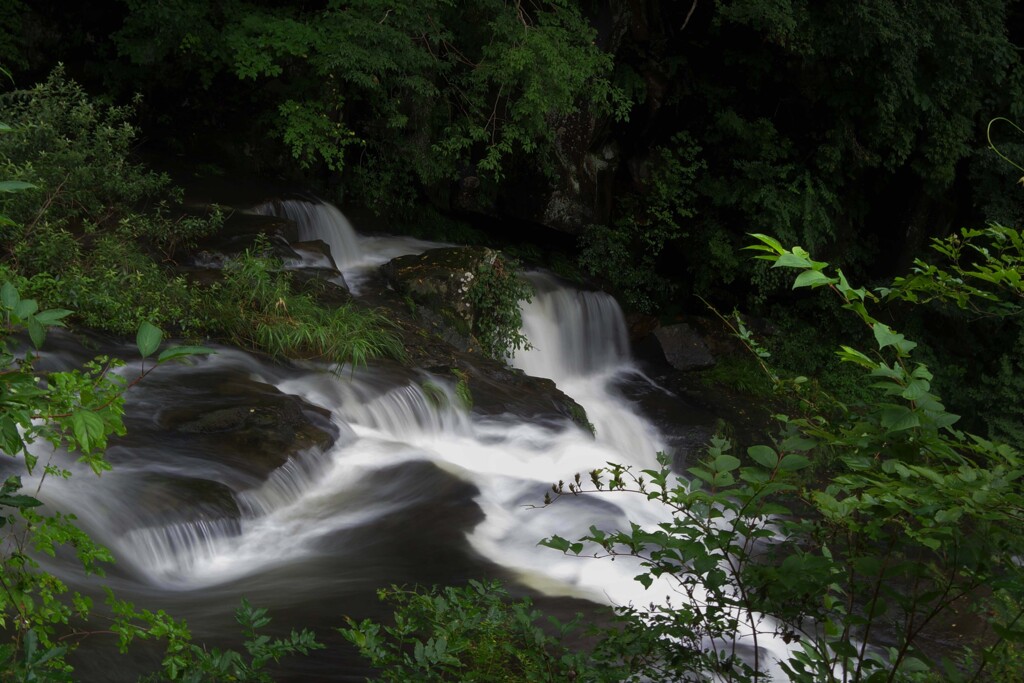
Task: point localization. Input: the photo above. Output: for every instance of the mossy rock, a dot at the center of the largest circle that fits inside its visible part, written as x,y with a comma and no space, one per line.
440,279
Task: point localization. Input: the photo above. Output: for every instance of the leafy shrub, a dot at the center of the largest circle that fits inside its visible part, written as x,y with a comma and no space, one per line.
915,514
495,294
407,96
87,234
473,633
629,253
256,307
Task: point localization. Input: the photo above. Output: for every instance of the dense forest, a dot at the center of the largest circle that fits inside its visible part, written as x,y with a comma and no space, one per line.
846,177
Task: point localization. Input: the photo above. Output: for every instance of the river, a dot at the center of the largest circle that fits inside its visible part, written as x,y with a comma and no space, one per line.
410,489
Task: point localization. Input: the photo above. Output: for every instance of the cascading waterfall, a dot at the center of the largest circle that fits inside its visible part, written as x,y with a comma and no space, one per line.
355,255
572,333
319,221
409,464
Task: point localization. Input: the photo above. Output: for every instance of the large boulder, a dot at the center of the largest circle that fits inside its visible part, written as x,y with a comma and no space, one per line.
440,280
235,420
683,347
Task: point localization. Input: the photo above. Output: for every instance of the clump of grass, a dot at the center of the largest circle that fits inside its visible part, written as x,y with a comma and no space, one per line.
259,310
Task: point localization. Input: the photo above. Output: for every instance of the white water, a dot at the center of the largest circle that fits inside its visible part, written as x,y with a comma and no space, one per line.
355,255
388,424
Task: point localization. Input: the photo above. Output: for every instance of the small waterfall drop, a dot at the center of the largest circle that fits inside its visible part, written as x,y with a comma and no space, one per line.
319,221
572,333
356,256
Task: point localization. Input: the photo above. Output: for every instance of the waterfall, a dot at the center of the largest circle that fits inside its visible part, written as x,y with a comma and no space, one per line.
572,333
356,256
415,489
319,221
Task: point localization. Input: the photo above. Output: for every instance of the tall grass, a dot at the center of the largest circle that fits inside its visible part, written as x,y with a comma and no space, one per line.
258,309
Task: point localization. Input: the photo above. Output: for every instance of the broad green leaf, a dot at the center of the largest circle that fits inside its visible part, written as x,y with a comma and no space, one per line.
148,339
19,501
915,389
772,244
182,352
852,355
764,456
87,428
812,278
898,418
792,462
885,336
14,186
25,308
36,332
52,316
790,260
9,296
725,463
10,437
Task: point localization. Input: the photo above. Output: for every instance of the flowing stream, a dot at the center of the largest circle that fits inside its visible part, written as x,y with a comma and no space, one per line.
411,488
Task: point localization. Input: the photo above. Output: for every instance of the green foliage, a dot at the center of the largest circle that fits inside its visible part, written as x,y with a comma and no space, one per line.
86,235
400,94
629,253
77,410
93,229
462,389
495,294
972,290
190,663
915,515
256,307
472,633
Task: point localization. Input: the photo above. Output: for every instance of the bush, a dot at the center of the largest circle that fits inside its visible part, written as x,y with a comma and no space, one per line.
473,633
915,515
495,294
255,307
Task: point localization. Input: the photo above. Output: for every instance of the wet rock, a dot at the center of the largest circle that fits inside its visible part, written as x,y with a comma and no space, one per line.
682,347
498,390
246,422
433,344
440,279
159,500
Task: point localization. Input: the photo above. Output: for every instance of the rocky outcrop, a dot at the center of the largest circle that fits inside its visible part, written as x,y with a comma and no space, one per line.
245,420
440,280
681,346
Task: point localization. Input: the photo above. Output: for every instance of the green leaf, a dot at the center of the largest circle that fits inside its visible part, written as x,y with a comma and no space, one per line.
148,339
52,316
885,336
773,245
36,332
182,352
812,278
915,389
789,260
87,428
793,462
725,463
852,355
764,456
9,296
898,418
20,501
556,542
15,186
25,308
10,437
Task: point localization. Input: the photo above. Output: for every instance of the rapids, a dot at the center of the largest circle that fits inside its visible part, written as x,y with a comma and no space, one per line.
413,489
